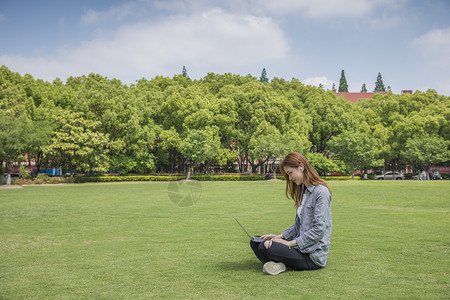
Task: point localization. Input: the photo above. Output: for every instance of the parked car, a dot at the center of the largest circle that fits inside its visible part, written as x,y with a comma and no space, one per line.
390,176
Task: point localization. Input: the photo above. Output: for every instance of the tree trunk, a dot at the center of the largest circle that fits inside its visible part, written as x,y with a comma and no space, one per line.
38,163
241,164
189,172
71,170
274,169
253,165
8,172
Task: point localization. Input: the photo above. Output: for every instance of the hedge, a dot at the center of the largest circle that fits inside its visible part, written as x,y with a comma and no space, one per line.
340,177
82,179
237,177
119,178
223,177
43,180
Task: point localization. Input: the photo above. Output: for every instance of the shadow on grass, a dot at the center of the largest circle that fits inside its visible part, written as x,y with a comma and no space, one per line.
247,265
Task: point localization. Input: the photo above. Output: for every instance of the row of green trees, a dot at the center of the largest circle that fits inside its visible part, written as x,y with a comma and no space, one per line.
343,86
95,124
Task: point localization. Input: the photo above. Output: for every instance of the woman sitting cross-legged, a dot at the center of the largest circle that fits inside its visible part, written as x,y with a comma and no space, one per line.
304,245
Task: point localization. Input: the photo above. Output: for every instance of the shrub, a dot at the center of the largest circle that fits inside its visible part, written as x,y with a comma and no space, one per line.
82,179
24,173
57,180
222,177
340,177
43,179
227,177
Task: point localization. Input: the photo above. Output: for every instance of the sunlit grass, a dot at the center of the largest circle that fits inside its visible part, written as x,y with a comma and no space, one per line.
128,240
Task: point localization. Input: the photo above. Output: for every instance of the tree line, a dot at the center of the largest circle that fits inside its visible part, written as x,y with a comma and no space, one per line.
220,123
343,86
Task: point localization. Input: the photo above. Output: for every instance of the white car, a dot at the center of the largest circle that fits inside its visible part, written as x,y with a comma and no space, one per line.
390,176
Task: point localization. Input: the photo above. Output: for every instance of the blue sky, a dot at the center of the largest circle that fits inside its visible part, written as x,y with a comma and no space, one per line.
407,41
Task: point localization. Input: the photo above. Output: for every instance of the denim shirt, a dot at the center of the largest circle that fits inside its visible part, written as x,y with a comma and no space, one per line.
312,230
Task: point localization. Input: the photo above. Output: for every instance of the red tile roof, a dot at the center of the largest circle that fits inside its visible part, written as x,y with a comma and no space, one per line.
353,97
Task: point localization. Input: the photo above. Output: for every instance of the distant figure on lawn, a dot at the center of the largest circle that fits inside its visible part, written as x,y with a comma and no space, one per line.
304,245
437,175
424,175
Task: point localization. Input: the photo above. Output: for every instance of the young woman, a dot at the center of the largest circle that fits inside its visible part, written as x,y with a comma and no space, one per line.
304,245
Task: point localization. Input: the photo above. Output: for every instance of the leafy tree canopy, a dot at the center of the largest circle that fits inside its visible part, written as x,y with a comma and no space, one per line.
94,124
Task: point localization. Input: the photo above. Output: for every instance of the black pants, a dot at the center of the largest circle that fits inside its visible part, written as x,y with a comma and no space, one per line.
291,257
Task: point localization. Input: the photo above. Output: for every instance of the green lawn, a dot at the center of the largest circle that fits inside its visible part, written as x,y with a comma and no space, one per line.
128,240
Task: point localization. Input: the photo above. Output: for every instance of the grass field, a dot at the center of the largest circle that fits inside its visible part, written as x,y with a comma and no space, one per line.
130,241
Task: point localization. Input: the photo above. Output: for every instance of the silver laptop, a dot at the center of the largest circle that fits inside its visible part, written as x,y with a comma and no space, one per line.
255,239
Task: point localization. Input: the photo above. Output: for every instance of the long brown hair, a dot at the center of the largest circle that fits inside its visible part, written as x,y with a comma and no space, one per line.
294,160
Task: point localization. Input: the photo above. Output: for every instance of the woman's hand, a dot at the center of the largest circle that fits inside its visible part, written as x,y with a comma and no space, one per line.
271,236
290,244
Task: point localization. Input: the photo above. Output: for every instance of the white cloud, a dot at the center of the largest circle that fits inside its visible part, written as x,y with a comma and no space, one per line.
176,5
204,41
443,86
327,83
115,12
434,47
324,9
40,67
431,52
385,20
317,9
